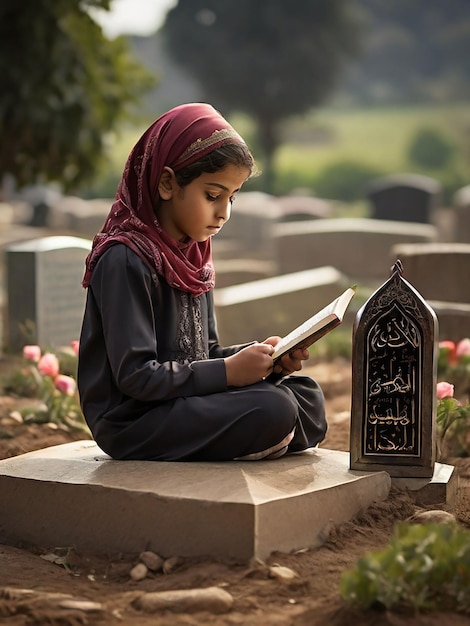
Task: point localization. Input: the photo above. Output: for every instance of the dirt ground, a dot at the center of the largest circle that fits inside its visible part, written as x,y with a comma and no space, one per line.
312,598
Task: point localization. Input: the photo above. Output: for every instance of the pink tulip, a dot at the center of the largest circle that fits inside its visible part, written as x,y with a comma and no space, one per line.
66,384
32,353
75,346
49,365
449,348
444,390
463,348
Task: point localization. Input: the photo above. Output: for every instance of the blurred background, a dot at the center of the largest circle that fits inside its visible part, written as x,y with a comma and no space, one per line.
329,94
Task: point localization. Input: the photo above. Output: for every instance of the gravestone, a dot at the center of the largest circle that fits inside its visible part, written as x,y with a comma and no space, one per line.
404,197
394,374
462,214
300,208
45,299
358,247
274,306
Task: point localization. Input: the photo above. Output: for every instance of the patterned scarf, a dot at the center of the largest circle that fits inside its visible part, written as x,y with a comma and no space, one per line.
178,138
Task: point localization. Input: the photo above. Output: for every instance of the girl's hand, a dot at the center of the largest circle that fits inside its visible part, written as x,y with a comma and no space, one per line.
249,365
291,362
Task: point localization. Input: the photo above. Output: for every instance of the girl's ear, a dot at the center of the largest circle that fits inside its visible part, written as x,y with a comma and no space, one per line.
167,184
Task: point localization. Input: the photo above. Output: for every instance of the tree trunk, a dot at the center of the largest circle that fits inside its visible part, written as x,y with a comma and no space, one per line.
269,141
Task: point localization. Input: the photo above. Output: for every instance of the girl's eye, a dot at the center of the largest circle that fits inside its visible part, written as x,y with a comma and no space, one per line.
211,197
232,199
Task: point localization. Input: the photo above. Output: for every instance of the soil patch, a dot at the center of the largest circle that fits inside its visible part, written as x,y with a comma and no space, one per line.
259,599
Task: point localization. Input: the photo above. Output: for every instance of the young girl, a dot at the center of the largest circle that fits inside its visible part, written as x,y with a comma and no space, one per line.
154,382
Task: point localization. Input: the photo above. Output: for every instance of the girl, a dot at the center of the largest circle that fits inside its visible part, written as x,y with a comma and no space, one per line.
154,382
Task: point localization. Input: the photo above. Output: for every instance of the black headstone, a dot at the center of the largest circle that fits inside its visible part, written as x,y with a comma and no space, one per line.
404,197
394,370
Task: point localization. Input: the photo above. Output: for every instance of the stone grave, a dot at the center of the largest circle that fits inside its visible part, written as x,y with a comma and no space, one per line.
404,197
394,374
75,495
81,217
357,247
45,300
274,306
440,272
235,271
299,208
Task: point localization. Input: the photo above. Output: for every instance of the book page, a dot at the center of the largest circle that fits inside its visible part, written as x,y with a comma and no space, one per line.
316,326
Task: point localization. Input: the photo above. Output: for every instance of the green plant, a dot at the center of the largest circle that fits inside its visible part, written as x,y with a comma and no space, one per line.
40,376
425,567
453,422
345,180
430,149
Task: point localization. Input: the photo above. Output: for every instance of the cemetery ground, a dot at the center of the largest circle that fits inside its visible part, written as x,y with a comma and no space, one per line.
260,598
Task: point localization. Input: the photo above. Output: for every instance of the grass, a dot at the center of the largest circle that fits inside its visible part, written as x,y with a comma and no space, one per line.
379,136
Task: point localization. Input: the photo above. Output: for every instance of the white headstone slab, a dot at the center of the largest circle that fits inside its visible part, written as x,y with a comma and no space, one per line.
45,299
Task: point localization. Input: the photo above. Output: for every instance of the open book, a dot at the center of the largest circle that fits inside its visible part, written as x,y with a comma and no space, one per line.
316,326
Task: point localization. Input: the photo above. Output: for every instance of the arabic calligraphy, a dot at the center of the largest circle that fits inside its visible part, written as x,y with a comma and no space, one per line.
393,357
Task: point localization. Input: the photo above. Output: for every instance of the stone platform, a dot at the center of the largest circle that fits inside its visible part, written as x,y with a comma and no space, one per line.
75,495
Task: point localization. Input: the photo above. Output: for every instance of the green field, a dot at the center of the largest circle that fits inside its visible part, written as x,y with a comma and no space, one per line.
379,137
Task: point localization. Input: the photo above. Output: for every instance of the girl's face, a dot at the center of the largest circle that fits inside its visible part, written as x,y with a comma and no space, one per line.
200,209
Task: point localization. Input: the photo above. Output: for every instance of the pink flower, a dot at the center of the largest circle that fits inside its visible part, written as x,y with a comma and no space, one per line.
66,384
444,390
75,346
463,348
32,353
448,347
49,365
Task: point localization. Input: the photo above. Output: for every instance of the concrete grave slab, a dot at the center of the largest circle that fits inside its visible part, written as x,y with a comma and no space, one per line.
439,271
45,299
274,306
358,247
73,494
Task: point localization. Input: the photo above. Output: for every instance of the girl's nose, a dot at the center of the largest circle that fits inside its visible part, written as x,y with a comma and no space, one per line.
225,211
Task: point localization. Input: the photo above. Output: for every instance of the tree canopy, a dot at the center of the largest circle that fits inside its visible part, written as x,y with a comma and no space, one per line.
414,51
64,86
269,59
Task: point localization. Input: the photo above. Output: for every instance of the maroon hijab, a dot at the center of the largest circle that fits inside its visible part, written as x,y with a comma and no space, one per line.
178,138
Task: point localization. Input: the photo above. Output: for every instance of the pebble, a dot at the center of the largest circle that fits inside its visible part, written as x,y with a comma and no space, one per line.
432,517
139,572
169,565
153,561
282,573
212,599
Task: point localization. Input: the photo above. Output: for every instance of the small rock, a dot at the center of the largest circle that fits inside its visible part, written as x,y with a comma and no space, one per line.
212,599
139,572
432,517
285,574
153,561
16,416
169,565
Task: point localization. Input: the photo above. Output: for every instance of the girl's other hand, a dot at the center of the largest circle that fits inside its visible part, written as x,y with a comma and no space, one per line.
291,362
249,365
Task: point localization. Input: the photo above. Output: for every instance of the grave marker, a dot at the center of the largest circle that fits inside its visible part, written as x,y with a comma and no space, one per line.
404,197
45,299
394,374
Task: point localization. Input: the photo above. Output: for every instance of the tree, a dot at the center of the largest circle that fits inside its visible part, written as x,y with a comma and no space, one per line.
415,51
64,86
270,59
